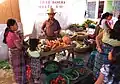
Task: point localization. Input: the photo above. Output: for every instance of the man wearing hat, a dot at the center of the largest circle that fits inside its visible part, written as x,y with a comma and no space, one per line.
51,27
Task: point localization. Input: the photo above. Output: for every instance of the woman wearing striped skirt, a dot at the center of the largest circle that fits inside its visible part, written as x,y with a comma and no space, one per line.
110,38
14,42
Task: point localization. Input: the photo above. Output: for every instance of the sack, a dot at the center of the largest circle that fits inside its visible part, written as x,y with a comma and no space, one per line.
4,54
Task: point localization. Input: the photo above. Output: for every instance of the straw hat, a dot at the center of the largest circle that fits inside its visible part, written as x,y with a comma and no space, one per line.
51,10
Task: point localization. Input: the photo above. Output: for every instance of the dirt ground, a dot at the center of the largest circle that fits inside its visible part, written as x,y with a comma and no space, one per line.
6,76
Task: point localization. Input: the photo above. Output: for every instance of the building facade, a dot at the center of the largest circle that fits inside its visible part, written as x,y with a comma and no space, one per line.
95,8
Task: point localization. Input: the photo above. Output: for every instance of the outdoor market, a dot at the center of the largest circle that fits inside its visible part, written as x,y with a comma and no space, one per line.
59,42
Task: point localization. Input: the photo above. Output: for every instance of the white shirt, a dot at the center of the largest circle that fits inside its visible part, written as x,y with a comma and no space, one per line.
33,53
103,25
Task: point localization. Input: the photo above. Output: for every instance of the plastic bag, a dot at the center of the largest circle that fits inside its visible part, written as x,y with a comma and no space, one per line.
4,53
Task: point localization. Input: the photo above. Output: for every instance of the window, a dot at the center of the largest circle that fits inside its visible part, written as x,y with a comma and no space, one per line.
100,9
91,9
116,5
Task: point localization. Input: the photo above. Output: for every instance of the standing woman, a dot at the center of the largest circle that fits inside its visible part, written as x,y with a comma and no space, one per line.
12,39
105,41
101,42
105,21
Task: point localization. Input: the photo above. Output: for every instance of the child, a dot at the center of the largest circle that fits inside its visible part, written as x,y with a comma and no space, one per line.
34,61
110,74
12,39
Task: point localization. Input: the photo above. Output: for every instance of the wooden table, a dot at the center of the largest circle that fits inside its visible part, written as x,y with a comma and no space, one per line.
43,54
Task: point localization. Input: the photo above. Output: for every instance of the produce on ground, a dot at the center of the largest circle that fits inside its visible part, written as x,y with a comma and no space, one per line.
65,64
78,61
51,67
82,70
72,74
4,65
80,44
58,80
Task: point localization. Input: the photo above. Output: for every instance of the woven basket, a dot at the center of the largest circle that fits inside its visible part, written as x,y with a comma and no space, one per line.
81,50
81,36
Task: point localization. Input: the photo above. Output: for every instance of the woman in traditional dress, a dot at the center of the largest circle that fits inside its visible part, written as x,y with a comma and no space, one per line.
14,42
105,41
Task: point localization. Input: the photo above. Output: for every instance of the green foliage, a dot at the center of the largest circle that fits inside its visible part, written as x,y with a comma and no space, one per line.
4,65
92,26
74,26
89,23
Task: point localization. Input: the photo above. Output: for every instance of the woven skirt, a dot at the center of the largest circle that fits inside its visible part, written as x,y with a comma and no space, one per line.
35,67
101,58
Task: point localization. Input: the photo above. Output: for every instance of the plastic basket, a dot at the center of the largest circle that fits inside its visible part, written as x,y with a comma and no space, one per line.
49,70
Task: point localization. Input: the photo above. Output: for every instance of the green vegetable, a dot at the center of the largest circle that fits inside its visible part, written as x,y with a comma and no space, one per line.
88,22
51,67
4,65
72,75
78,61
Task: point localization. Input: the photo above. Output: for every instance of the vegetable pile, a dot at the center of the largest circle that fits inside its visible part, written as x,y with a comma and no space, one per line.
4,65
58,80
65,64
72,75
51,67
78,61
82,71
80,44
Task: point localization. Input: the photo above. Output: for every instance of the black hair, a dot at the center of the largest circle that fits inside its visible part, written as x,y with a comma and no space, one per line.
33,44
104,16
115,65
115,32
110,14
116,55
10,22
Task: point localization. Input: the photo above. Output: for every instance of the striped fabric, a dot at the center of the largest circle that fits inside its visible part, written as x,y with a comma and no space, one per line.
18,65
101,58
35,67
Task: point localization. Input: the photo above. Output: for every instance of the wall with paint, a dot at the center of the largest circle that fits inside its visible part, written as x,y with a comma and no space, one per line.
34,12
9,9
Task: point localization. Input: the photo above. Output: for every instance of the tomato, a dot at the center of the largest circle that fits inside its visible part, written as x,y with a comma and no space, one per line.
58,80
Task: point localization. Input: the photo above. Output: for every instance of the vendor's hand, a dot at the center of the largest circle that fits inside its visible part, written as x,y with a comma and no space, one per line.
99,49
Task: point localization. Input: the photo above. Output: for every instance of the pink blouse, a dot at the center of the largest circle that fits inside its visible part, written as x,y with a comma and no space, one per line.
11,39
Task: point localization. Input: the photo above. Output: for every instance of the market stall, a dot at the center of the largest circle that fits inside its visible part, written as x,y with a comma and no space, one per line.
57,66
